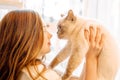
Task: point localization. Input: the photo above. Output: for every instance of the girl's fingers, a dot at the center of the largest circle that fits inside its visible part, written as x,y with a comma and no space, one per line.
86,34
102,40
95,39
98,36
92,34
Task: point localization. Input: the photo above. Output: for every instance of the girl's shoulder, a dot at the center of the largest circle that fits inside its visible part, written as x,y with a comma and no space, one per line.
44,73
26,72
23,76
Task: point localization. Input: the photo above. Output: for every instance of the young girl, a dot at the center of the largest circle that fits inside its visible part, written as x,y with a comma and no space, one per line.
24,42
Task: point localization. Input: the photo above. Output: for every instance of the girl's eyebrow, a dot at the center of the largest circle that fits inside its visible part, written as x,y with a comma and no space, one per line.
46,26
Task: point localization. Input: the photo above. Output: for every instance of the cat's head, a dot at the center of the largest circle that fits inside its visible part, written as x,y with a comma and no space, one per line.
66,25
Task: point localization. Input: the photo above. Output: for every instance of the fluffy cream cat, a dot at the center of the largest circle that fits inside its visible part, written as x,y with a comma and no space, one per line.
72,28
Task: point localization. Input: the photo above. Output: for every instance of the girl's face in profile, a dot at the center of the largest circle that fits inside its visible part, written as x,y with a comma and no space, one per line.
46,43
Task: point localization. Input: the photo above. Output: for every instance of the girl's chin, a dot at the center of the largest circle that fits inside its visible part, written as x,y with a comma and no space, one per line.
47,51
44,53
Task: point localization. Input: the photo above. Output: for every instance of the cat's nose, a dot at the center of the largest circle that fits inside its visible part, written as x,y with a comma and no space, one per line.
59,27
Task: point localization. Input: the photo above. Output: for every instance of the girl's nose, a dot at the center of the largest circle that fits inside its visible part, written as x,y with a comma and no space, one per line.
49,35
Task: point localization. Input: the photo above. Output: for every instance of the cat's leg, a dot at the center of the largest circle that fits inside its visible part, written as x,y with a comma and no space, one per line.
62,55
74,61
82,75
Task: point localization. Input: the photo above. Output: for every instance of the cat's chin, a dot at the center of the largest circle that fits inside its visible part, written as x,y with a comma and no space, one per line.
60,36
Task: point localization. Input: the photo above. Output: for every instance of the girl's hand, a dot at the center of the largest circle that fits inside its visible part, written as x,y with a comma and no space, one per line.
95,41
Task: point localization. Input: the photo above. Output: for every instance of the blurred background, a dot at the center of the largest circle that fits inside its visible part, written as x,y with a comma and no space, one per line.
105,11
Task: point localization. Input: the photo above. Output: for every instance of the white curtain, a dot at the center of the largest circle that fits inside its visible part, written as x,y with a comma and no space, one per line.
106,11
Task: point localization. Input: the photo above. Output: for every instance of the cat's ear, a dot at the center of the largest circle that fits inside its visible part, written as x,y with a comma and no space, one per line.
62,15
71,16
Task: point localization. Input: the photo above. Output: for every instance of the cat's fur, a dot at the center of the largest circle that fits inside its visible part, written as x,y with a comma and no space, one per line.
72,28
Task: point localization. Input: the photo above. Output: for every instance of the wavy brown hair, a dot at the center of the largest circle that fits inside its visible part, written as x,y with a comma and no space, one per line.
21,38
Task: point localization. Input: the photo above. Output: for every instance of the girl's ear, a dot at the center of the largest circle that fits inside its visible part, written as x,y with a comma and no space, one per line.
71,16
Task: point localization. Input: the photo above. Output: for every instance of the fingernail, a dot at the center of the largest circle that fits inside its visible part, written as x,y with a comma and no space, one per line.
98,28
103,35
85,30
91,27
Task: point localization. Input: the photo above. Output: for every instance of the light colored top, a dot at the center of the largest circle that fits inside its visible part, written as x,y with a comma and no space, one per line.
49,74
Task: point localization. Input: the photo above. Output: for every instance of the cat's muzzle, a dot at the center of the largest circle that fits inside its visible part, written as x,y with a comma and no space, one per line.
59,29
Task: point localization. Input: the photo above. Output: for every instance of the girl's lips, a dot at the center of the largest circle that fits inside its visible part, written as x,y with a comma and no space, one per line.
49,43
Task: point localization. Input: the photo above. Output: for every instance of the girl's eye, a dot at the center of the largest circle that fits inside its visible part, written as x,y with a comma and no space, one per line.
44,30
46,27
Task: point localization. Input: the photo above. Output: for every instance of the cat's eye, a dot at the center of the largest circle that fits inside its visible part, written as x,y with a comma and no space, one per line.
72,19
